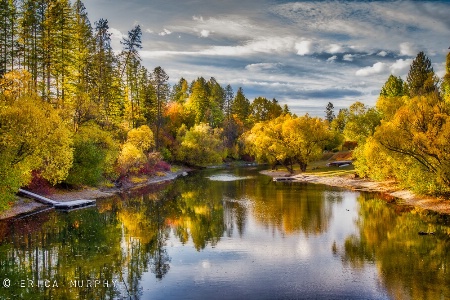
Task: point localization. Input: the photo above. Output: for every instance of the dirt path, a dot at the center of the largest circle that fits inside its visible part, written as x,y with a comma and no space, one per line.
439,205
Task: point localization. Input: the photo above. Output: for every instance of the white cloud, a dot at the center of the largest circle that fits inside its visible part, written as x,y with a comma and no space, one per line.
401,66
334,48
165,32
276,45
304,48
262,67
149,30
382,53
408,49
332,59
116,37
116,34
205,33
377,68
200,18
348,57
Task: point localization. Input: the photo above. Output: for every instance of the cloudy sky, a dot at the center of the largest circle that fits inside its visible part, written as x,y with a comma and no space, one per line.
303,53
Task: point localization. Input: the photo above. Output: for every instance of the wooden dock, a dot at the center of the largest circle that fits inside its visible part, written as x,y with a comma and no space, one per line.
283,179
69,205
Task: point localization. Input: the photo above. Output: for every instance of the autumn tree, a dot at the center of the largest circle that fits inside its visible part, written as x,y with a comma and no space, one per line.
95,153
27,145
288,140
411,144
445,86
200,146
416,140
392,97
361,122
133,154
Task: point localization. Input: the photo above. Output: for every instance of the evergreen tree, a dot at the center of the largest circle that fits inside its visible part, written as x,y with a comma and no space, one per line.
329,112
421,79
160,81
82,76
263,109
198,100
229,96
8,35
107,82
29,35
241,106
216,102
131,45
180,91
131,65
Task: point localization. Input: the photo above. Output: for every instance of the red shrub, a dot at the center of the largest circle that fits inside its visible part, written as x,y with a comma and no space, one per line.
162,166
39,185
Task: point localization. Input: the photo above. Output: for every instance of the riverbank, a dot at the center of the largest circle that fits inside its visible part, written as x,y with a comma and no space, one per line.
357,184
24,206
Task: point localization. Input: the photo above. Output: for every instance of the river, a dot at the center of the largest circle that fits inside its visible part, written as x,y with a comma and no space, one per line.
229,234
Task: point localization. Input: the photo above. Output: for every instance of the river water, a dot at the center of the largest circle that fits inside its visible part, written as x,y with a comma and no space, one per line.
229,234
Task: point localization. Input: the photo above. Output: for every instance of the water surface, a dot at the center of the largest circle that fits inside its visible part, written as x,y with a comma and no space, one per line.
229,234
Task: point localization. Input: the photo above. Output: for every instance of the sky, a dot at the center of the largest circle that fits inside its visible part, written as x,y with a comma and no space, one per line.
303,53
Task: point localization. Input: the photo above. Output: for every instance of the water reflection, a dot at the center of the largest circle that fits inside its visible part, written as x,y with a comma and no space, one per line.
412,266
246,237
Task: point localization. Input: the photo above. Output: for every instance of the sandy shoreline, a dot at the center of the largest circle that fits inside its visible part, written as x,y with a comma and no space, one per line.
25,206
387,187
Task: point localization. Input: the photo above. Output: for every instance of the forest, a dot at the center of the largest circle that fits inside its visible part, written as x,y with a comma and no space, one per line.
74,112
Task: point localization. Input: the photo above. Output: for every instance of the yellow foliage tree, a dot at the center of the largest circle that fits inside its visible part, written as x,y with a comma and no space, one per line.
130,158
32,137
412,146
288,140
200,146
142,138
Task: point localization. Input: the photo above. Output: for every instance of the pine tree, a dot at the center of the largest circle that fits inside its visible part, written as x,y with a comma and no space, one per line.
180,91
29,35
131,64
81,79
229,96
216,102
329,113
160,81
8,35
198,100
106,76
421,79
241,106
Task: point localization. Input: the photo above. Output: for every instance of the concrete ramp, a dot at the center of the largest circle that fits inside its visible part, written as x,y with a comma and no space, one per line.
69,205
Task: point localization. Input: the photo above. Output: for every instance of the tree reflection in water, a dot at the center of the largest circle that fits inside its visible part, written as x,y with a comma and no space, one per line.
127,237
411,266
